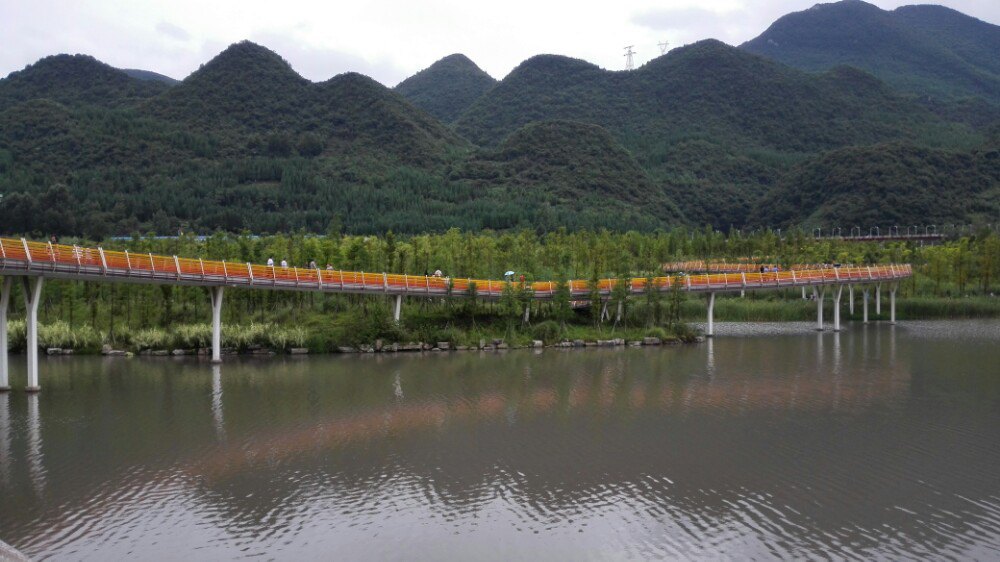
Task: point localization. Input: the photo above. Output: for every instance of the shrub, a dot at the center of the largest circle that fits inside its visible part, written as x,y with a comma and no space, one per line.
548,331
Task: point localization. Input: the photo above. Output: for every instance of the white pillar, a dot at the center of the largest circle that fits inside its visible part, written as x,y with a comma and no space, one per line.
8,282
398,308
711,312
527,313
216,294
803,292
865,306
892,305
850,298
878,299
818,293
836,308
618,314
32,296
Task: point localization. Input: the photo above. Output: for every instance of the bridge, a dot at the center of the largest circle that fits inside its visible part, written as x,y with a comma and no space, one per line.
34,262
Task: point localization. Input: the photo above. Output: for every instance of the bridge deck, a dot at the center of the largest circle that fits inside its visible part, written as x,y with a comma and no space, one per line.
21,257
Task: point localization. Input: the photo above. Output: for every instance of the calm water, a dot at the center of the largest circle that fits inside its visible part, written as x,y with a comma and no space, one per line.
879,442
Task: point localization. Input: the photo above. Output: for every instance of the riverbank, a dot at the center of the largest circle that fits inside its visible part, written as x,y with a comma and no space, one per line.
751,309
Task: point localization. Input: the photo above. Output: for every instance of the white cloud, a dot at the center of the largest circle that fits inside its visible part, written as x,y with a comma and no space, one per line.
386,39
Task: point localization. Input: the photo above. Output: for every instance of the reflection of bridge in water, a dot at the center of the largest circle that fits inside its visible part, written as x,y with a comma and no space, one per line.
34,262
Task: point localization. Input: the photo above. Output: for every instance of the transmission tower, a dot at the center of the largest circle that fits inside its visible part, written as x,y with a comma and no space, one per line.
629,64
663,47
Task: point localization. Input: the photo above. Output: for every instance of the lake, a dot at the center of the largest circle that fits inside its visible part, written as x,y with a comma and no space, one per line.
770,441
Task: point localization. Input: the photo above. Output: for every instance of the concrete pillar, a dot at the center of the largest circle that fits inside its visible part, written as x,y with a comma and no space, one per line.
850,298
836,307
397,308
878,299
618,314
892,305
216,294
819,293
710,331
803,292
864,316
8,283
604,309
32,296
527,313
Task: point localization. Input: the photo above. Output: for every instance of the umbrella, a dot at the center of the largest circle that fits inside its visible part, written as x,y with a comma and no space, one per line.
508,274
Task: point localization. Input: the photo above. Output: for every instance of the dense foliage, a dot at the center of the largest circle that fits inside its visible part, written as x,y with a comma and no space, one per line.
446,88
929,50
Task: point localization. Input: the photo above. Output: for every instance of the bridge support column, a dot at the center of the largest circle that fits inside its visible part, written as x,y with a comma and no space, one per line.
836,307
527,313
850,298
618,314
803,292
819,293
710,331
892,305
32,296
397,309
878,299
8,283
864,308
216,294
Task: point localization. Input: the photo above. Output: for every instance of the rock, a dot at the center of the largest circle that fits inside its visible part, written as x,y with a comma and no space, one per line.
379,344
393,347
461,348
487,348
67,352
482,344
444,346
502,345
365,348
146,352
181,352
564,344
497,341
537,343
159,352
578,343
116,353
619,341
635,343
298,351
346,349
412,347
651,341
54,351
106,349
591,344
262,351
426,346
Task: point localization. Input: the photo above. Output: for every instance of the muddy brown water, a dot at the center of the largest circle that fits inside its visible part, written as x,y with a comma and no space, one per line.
770,441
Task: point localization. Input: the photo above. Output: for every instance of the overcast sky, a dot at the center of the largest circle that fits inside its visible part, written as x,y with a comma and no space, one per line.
385,39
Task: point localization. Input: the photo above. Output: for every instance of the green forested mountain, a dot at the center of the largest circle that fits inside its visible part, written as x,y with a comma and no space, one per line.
447,87
892,184
708,134
150,75
76,80
929,50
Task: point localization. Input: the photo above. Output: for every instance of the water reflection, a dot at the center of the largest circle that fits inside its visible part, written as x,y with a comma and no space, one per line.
5,438
749,447
36,463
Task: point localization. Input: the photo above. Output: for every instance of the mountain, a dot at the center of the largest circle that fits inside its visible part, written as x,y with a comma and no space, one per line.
247,95
76,80
712,125
707,88
150,75
929,50
894,184
570,165
447,87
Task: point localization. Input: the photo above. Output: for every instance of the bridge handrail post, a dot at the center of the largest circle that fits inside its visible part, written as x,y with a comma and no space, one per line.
427,284
341,279
743,275
177,267
201,263
688,277
225,271
274,276
319,278
76,252
152,264
128,263
870,273
406,283
27,252
836,273
250,272
104,261
295,270
52,254
385,282
3,250
363,286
